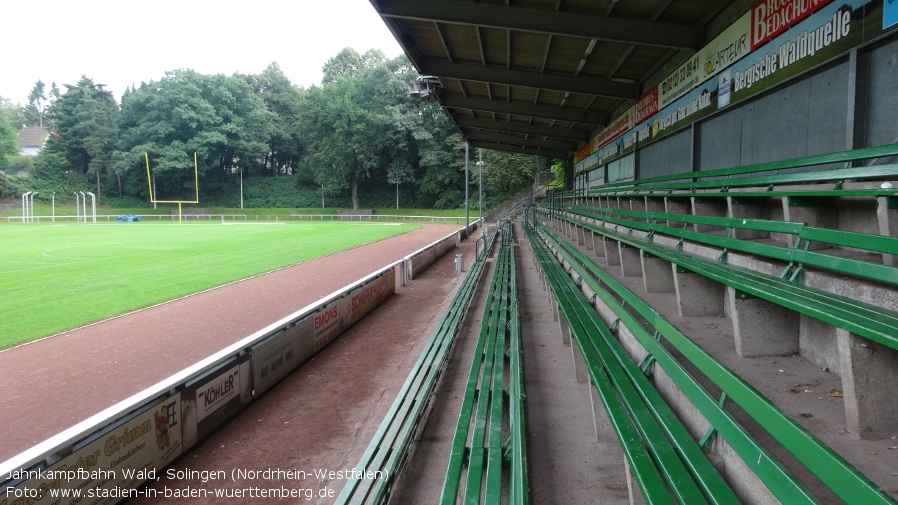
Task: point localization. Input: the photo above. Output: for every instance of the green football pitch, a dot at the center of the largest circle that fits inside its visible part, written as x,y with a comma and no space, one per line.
58,277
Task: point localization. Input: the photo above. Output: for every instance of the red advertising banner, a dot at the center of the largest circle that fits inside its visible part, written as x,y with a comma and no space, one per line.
365,298
770,18
615,129
337,316
646,107
584,151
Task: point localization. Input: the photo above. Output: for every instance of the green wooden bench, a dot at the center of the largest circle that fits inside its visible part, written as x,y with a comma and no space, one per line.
380,464
844,480
869,321
481,451
667,464
718,182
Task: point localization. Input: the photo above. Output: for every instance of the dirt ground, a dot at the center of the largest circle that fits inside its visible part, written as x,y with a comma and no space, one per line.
319,420
52,384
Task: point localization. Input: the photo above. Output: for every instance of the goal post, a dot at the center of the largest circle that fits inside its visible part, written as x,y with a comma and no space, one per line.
196,181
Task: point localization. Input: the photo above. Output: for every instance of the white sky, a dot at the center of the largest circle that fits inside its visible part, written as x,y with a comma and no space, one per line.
123,43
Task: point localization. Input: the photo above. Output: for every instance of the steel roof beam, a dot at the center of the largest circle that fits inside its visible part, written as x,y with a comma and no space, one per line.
555,132
531,79
549,153
544,21
523,109
505,138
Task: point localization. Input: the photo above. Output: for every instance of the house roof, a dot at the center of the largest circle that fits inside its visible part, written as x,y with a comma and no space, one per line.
32,136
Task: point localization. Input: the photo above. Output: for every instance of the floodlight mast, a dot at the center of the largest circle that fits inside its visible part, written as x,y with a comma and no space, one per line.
467,184
480,185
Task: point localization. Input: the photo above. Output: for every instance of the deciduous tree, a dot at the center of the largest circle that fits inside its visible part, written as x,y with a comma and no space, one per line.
282,99
218,117
9,144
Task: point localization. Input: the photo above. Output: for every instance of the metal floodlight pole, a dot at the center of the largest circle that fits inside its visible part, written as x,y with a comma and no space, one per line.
53,207
93,206
84,205
480,186
77,208
241,187
467,159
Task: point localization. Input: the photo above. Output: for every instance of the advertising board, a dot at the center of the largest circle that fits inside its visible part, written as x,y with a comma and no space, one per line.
279,355
107,468
209,401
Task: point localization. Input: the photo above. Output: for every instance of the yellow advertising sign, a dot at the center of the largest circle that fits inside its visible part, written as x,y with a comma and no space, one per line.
727,48
107,469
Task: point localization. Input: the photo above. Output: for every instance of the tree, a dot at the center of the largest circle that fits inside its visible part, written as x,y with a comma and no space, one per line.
85,118
9,143
365,133
37,105
506,173
343,128
441,184
218,117
282,99
349,63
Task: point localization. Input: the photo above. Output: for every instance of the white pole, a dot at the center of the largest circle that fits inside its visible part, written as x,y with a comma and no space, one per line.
480,186
93,206
24,207
84,205
241,187
467,214
32,206
77,208
53,211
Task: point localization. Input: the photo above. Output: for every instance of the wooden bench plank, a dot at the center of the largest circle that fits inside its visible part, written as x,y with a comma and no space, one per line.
840,157
680,462
820,459
391,441
869,321
478,449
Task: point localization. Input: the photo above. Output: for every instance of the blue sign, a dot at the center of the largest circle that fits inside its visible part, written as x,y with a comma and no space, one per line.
889,13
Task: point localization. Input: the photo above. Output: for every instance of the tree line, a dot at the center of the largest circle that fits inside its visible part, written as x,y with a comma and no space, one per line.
356,140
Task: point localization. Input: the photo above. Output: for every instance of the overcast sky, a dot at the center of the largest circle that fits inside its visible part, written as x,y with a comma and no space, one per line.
120,43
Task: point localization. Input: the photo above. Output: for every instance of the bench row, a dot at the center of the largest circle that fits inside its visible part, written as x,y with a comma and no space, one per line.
583,289
667,464
833,319
488,455
834,168
382,460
